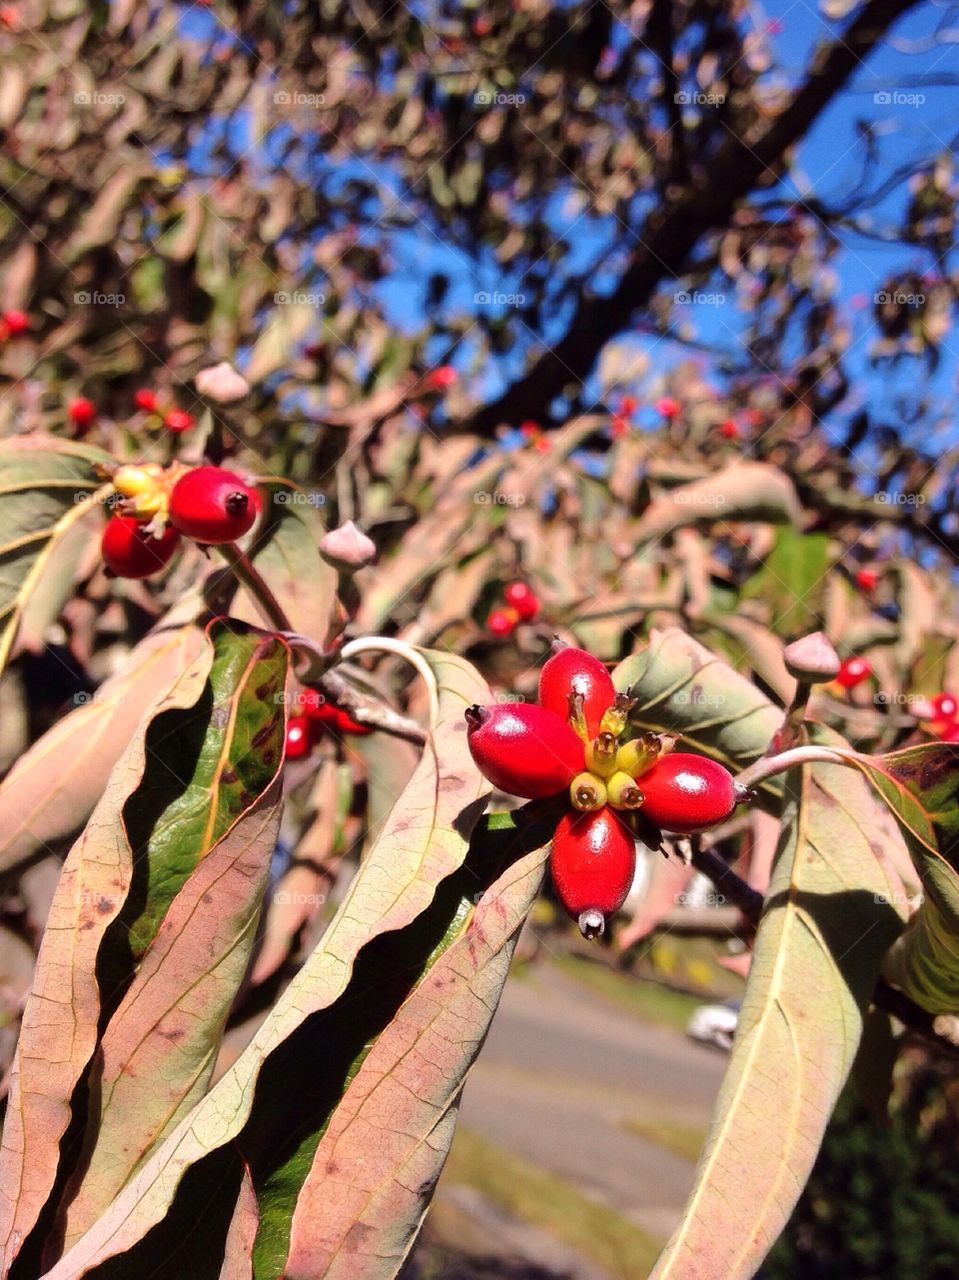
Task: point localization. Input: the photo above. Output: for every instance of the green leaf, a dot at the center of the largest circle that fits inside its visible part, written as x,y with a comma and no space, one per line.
825,928
208,763
681,687
788,579
921,786
46,486
424,841
157,1053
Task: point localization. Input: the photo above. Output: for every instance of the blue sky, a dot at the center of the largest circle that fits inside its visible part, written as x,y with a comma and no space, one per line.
829,162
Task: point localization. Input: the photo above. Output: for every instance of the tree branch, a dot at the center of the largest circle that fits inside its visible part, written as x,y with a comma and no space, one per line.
671,233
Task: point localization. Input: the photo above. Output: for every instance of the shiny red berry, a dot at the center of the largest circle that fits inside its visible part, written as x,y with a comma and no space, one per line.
502,622
853,671
572,670
530,428
81,411
729,429
16,322
866,579
946,706
686,793
130,552
178,420
522,597
523,749
593,862
948,731
145,399
213,505
298,739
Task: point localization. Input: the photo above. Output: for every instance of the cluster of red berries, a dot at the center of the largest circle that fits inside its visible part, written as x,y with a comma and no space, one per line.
318,717
208,504
522,605
175,420
570,742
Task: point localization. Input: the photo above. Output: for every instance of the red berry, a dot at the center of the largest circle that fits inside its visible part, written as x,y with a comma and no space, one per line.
628,405
866,579
946,706
687,793
729,429
618,426
213,505
328,715
16,322
668,407
949,732
81,411
298,740
145,399
442,377
572,670
530,429
130,552
178,420
524,749
593,862
853,671
523,599
502,622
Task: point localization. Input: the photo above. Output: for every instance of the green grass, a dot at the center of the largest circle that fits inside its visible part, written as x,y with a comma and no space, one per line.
545,1200
646,1000
681,1139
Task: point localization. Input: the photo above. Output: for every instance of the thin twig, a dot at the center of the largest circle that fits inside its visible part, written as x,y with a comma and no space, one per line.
245,573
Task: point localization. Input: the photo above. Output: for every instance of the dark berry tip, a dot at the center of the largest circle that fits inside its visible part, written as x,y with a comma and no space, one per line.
557,645
237,502
476,715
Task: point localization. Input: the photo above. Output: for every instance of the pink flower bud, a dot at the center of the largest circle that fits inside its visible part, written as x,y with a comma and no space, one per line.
222,383
347,547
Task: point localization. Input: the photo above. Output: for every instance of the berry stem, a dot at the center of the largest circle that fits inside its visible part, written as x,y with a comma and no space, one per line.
250,577
769,766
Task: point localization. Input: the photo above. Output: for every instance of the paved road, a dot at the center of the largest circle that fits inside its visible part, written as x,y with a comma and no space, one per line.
561,1071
